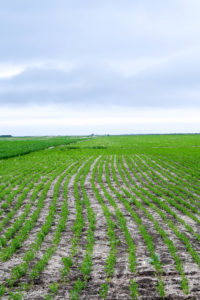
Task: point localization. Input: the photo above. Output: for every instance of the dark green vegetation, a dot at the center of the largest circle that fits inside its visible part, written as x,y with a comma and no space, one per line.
12,146
114,217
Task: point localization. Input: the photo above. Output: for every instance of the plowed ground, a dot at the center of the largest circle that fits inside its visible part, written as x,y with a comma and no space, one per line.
128,225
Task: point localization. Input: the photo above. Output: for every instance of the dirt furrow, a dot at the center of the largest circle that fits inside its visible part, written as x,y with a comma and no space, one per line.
172,278
144,276
101,246
176,175
52,273
195,226
21,210
184,188
17,258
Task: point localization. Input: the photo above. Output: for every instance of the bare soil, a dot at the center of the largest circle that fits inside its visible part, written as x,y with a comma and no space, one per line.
118,284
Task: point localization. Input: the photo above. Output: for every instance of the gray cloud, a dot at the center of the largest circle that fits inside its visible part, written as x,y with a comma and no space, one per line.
67,29
173,83
99,38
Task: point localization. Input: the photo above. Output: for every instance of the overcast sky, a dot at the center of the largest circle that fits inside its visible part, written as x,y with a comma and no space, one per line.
109,66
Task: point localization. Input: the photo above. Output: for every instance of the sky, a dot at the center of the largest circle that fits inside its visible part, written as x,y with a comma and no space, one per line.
103,67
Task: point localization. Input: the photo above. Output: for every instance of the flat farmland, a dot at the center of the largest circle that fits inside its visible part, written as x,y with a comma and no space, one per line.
112,217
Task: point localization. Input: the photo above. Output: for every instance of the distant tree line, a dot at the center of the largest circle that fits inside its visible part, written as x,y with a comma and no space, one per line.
5,135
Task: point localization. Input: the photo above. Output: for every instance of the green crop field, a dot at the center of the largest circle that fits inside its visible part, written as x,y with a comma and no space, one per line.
10,147
108,217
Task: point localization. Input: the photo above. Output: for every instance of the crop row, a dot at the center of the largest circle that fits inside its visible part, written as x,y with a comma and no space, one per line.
139,187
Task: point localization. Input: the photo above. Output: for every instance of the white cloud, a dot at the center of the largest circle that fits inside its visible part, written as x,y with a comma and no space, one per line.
9,71
61,120
88,56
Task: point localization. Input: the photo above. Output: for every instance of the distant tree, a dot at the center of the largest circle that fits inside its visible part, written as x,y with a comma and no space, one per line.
5,135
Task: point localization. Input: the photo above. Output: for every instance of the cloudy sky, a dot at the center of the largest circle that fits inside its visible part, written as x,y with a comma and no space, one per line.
109,66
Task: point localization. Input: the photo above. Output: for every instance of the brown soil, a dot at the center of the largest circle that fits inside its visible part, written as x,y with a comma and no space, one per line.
118,285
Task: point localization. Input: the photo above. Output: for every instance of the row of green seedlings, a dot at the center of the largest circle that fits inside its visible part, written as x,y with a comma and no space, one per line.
11,214
86,264
21,192
122,224
190,183
9,250
12,180
7,179
178,186
25,171
181,204
188,209
24,186
20,270
12,183
16,225
113,240
61,226
181,236
157,192
184,169
23,231
140,192
122,196
165,237
173,167
14,165
77,229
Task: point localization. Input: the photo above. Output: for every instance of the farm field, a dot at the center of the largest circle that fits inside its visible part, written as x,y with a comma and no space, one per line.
112,217
13,146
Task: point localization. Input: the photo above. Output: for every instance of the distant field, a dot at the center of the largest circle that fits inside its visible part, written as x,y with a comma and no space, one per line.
113,217
13,146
